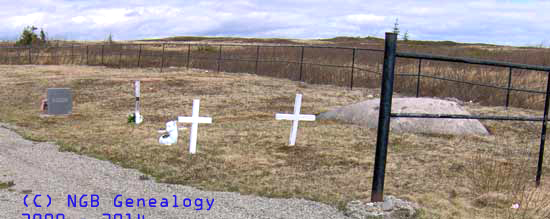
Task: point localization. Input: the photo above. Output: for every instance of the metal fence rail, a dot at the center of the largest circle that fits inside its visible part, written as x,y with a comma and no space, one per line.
458,116
97,54
385,113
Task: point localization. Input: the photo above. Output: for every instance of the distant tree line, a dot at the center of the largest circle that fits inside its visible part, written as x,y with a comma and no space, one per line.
30,37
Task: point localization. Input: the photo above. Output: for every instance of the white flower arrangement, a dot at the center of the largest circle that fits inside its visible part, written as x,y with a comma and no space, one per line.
136,118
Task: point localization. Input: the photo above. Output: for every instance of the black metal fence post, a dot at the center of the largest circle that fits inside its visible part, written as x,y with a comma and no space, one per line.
418,78
87,56
120,57
37,55
8,56
219,58
72,54
53,54
139,57
301,63
58,54
18,56
257,59
543,132
30,55
508,88
102,52
80,56
352,69
188,54
2,57
162,58
390,48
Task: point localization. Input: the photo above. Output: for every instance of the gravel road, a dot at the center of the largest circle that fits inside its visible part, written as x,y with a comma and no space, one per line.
39,168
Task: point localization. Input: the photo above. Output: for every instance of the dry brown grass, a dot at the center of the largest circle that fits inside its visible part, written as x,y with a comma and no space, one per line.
6,185
244,149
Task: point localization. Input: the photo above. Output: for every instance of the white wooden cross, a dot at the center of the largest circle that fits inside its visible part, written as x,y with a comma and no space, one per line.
194,120
137,116
295,118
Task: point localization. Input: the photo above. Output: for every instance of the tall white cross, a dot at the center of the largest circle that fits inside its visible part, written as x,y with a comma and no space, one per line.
295,118
194,120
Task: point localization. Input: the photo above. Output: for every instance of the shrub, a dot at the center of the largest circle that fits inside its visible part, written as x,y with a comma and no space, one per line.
502,183
206,48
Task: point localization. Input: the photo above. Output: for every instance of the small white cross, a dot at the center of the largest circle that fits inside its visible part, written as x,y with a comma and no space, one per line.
194,120
295,118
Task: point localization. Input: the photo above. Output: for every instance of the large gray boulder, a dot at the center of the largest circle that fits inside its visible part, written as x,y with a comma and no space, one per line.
366,114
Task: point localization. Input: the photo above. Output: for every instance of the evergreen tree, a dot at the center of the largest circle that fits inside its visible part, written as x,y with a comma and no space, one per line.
406,36
396,27
109,39
42,36
28,36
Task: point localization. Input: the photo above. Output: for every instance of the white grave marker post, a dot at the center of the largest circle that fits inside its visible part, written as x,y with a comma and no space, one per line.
295,118
137,116
194,120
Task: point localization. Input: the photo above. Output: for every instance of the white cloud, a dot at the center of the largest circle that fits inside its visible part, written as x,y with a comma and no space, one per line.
107,17
78,19
480,21
27,20
362,19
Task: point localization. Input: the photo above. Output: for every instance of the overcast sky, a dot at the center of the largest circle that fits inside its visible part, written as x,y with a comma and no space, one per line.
512,22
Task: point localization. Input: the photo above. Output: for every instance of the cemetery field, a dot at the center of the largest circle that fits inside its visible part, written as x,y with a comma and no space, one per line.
246,150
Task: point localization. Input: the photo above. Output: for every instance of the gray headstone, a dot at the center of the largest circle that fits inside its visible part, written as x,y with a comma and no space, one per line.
60,101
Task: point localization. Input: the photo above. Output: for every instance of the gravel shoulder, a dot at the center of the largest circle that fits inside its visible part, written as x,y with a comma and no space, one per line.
39,168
